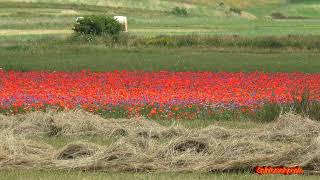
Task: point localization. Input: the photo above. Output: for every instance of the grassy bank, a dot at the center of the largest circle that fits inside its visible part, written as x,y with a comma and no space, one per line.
75,175
251,43
287,43
64,57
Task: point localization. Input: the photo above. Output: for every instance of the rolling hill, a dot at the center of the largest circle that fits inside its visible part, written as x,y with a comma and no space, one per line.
154,17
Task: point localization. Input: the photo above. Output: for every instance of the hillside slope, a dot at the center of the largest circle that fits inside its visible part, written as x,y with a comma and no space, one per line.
154,17
304,8
163,4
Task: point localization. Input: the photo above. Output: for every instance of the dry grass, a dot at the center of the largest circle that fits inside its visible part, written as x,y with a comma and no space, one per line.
17,32
248,15
144,145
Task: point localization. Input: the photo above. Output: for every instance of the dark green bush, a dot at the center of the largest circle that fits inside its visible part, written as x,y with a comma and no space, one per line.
180,11
97,26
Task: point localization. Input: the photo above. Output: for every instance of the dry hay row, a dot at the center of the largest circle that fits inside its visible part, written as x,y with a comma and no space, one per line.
147,146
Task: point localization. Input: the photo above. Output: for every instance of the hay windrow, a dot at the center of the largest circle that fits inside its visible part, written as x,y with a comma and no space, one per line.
144,145
76,122
77,150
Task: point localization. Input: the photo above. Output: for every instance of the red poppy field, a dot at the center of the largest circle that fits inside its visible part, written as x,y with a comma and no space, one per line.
164,94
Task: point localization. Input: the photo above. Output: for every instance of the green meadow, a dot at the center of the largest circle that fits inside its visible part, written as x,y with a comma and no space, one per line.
149,19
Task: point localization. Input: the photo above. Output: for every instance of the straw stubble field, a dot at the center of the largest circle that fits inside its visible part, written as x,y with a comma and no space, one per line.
140,145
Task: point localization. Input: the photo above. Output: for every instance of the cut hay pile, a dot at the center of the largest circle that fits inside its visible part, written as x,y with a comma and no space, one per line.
143,145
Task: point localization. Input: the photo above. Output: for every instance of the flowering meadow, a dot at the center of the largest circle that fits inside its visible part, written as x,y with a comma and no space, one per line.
163,94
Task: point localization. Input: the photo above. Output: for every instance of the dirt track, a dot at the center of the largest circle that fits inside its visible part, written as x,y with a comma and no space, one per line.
17,32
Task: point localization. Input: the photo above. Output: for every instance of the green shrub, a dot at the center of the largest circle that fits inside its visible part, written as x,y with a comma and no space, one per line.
180,11
97,26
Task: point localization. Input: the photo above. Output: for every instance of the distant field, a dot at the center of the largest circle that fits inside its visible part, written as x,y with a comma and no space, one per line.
100,58
160,4
205,17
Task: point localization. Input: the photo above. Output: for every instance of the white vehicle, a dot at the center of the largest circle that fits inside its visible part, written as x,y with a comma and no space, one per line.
122,20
